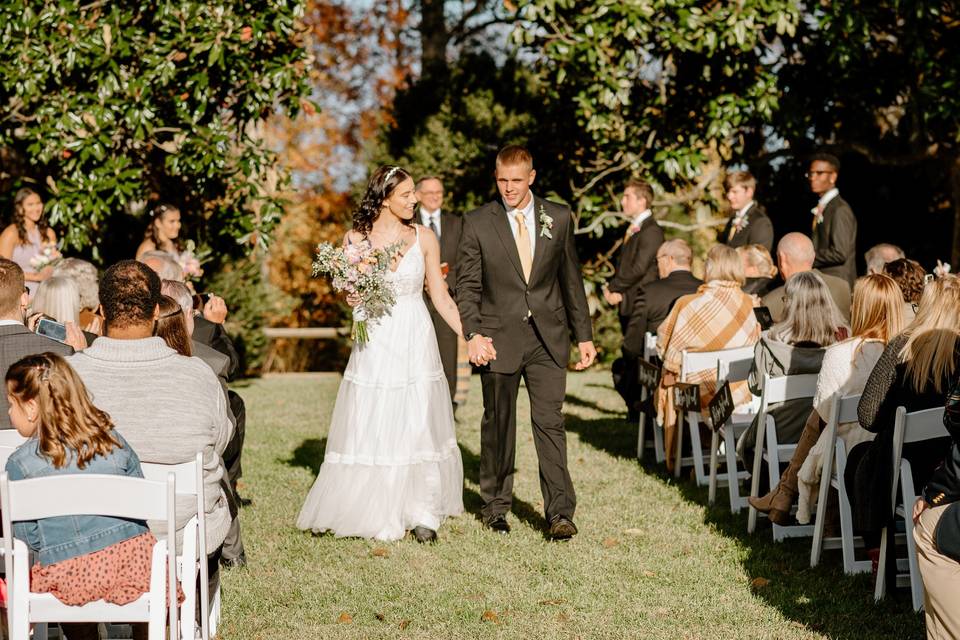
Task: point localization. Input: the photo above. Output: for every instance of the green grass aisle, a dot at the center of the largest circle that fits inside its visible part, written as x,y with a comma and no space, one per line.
651,560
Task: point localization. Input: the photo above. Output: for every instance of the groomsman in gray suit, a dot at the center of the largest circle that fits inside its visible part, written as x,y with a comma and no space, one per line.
16,341
448,227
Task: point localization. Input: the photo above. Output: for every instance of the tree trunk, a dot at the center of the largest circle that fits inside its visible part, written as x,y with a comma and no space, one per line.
433,38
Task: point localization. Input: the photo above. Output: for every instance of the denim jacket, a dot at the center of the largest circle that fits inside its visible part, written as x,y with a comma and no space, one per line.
64,537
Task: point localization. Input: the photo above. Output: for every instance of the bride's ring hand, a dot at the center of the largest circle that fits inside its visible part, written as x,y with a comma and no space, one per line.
353,299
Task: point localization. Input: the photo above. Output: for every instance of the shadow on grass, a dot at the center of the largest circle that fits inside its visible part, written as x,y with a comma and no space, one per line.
308,454
614,436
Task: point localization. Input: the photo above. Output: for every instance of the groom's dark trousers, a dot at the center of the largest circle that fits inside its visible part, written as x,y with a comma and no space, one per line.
529,321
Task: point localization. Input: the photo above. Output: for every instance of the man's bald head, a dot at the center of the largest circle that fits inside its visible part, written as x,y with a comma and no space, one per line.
795,254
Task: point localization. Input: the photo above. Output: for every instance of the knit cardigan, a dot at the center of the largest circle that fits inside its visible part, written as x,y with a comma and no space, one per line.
168,407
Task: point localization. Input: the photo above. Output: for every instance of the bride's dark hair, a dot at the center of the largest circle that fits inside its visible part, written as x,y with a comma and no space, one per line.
381,186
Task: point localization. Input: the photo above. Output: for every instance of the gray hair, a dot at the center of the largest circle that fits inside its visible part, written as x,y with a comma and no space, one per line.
84,274
679,250
880,254
59,298
169,268
179,292
810,314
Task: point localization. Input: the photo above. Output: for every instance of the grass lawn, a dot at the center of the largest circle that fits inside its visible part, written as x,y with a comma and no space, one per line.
651,560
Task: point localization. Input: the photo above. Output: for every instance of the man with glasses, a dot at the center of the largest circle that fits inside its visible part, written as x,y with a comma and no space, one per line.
834,225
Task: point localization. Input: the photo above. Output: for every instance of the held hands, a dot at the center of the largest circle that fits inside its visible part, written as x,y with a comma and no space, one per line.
611,297
918,508
480,350
588,353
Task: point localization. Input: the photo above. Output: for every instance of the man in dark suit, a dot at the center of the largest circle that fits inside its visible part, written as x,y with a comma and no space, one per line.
638,262
834,225
519,283
448,227
650,308
16,341
749,223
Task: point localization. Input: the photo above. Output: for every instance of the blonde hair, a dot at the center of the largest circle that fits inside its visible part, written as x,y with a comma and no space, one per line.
59,298
877,309
756,255
810,314
723,263
69,425
740,178
934,336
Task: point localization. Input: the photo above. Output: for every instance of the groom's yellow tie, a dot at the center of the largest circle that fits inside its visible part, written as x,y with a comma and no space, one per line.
523,245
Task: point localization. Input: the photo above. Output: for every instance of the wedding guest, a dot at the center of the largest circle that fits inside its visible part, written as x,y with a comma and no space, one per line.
795,254
172,326
29,238
759,269
748,223
876,316
448,227
638,263
880,254
16,341
59,298
79,559
649,311
167,406
719,316
936,532
834,225
86,277
911,277
163,231
811,323
163,263
915,371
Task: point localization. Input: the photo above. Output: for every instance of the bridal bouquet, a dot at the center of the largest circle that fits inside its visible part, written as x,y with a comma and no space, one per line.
190,261
47,256
361,270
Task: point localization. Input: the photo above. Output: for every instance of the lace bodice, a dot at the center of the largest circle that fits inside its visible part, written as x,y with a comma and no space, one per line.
408,278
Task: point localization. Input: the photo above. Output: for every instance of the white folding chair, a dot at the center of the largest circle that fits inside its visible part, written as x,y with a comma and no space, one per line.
834,464
694,362
89,494
776,390
193,560
649,353
730,368
10,439
916,426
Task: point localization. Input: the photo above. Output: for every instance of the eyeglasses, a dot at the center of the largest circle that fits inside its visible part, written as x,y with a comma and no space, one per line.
817,173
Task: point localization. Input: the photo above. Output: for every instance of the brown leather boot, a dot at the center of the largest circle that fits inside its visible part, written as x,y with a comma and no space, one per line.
775,504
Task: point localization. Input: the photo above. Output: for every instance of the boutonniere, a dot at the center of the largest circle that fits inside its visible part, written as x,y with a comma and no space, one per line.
546,223
740,223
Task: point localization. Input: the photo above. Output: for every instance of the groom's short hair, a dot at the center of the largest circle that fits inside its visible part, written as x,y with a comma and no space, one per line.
513,155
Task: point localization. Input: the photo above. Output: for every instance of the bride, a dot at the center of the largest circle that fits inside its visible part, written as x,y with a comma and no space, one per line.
392,464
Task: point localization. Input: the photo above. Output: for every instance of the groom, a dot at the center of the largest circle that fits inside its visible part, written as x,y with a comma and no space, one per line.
519,284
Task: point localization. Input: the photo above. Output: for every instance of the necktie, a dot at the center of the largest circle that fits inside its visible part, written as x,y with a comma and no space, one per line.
523,245
434,227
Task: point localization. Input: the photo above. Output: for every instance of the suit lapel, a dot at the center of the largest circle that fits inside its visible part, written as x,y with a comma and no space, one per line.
502,227
541,240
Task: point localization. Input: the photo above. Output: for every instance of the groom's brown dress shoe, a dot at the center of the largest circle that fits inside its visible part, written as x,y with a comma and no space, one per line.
562,528
498,523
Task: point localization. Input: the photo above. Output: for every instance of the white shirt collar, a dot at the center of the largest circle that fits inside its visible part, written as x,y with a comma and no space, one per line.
10,323
743,212
527,211
429,215
828,196
643,215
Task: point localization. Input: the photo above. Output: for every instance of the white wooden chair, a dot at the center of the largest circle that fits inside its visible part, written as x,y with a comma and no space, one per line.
775,390
834,464
916,426
649,353
730,369
694,362
192,562
86,494
10,439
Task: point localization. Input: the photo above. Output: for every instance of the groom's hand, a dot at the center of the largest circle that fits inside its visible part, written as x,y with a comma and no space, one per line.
480,350
588,353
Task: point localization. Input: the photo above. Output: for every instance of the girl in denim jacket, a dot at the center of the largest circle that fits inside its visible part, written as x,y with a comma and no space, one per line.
80,559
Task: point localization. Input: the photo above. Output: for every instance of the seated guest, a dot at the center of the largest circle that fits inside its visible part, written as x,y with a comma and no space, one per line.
163,263
79,559
795,255
915,371
16,341
58,298
880,254
748,223
759,269
167,406
86,277
876,316
718,316
794,346
936,517
172,326
911,277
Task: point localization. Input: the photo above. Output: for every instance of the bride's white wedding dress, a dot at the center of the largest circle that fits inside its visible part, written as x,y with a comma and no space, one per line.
392,461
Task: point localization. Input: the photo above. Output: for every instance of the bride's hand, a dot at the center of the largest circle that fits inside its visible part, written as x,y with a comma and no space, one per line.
353,299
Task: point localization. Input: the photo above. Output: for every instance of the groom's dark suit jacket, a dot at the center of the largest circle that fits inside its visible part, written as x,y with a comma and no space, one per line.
835,241
494,298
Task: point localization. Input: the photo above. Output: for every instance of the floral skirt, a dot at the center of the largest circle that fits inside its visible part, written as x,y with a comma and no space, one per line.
119,574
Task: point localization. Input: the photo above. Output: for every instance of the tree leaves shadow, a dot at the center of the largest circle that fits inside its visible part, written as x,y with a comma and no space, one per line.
308,454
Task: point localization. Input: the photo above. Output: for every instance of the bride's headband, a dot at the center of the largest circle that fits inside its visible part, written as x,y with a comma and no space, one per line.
390,173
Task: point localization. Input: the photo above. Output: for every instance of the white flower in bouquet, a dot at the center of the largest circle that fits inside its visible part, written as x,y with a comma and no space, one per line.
47,256
190,262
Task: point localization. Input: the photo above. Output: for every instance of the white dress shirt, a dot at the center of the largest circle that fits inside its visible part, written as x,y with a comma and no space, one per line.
825,199
10,323
740,215
426,217
528,215
643,215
